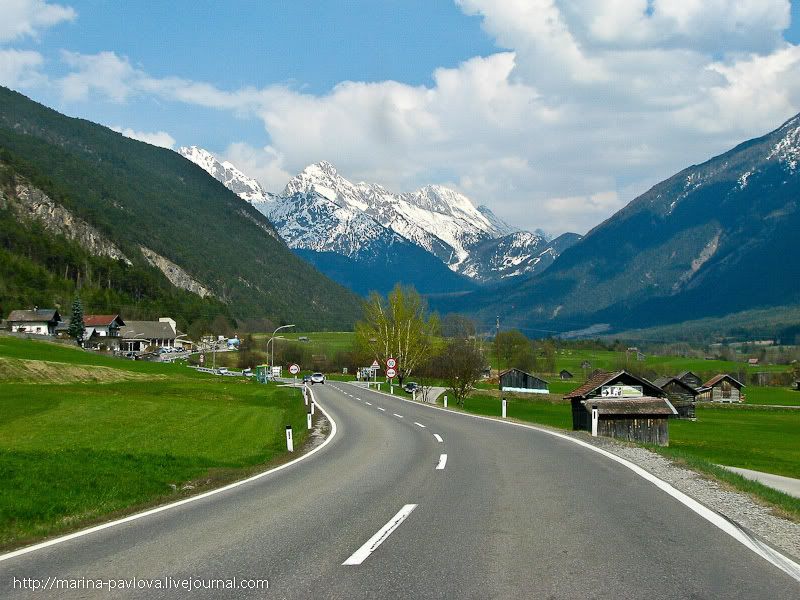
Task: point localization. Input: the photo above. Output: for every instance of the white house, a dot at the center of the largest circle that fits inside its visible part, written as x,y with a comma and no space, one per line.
41,321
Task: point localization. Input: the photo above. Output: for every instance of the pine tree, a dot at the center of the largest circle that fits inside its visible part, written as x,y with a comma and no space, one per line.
76,327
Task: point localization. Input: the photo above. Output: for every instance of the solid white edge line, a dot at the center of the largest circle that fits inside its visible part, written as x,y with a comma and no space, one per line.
442,462
376,540
771,555
419,424
438,438
158,509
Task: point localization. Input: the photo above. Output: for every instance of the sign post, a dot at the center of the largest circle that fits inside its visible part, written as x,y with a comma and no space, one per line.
391,372
294,369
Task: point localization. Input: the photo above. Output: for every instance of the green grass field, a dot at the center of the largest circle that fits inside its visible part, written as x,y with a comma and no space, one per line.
74,453
772,395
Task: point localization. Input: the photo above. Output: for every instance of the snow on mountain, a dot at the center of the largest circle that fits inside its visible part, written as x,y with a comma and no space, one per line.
321,211
232,178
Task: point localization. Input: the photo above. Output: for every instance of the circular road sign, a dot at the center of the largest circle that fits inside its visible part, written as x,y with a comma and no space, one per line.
391,373
391,363
294,369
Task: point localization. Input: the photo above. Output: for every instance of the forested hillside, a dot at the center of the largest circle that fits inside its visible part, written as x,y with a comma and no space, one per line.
139,197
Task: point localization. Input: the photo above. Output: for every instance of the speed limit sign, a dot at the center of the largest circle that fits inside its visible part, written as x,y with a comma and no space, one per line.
294,369
391,363
391,373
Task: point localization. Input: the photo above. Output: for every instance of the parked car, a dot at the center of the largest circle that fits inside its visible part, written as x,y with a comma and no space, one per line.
410,387
248,372
317,378
222,371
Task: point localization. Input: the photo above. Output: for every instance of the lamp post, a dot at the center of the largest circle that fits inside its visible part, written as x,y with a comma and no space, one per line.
272,356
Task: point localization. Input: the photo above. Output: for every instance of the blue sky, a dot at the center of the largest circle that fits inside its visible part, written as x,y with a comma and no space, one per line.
553,113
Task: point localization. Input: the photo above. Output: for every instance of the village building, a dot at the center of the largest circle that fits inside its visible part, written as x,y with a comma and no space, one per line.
586,365
565,375
623,406
138,336
517,380
680,394
39,321
691,378
722,388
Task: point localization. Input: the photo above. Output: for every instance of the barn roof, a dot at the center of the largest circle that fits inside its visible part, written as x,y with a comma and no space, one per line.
683,374
662,382
507,371
38,315
631,406
601,378
717,378
148,330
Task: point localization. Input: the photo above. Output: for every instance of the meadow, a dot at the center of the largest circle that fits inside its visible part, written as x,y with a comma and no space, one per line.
75,452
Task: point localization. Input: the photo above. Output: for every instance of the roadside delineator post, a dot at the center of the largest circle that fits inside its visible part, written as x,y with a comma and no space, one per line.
308,420
445,400
312,408
414,395
504,408
595,419
289,442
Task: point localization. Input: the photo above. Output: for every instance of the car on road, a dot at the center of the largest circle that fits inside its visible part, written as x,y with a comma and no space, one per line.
411,387
222,371
317,378
306,378
248,372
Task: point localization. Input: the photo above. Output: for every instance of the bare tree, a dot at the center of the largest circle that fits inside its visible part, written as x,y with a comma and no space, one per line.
397,327
462,363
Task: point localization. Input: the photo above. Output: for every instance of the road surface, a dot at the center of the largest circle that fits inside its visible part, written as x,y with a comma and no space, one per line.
421,503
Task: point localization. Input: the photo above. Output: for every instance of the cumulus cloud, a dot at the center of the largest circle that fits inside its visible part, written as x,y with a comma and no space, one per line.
20,68
155,138
27,18
589,103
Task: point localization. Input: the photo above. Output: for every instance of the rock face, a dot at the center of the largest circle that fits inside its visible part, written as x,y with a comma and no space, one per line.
177,276
33,204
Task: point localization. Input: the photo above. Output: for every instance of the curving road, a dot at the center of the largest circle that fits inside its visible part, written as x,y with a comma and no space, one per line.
508,513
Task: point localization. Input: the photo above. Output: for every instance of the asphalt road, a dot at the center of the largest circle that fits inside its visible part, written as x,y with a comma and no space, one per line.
510,513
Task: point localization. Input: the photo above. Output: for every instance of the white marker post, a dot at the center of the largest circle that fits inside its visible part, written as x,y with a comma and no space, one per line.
504,408
305,396
414,395
289,442
595,419
308,420
445,400
312,407
391,390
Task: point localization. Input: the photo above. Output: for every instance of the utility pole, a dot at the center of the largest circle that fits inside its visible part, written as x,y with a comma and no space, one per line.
497,326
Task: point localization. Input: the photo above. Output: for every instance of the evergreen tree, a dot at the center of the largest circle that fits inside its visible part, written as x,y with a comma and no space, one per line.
76,326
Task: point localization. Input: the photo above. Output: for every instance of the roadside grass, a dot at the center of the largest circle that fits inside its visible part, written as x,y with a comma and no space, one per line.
772,395
554,414
73,454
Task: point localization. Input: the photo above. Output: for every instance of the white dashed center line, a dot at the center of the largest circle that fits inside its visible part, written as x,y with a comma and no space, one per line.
368,403
381,409
398,416
438,437
442,462
419,424
376,540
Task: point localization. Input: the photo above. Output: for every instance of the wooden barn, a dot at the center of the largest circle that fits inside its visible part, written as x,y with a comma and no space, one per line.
691,378
722,388
628,408
517,380
680,394
565,375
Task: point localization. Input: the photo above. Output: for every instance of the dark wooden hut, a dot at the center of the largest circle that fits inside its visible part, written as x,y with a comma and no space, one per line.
691,378
517,380
565,375
628,408
680,394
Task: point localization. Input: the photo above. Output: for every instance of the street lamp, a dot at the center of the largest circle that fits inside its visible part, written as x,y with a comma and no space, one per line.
272,356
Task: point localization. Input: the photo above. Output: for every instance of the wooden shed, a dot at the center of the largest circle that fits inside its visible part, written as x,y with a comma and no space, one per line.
628,408
517,380
565,375
693,379
680,394
722,388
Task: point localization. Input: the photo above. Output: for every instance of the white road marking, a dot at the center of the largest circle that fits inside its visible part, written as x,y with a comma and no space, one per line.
382,409
369,403
376,540
442,462
782,562
419,424
398,416
158,509
438,437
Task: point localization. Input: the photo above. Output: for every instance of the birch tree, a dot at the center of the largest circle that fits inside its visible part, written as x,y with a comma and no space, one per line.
398,327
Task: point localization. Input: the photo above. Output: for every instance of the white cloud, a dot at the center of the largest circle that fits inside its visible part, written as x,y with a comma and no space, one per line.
592,101
26,18
20,68
155,138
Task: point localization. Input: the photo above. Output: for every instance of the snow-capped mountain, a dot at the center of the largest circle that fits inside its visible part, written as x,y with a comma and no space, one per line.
321,212
224,172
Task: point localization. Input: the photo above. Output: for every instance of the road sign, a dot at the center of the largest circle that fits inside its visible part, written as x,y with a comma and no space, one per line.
202,358
391,373
294,369
391,363
375,364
